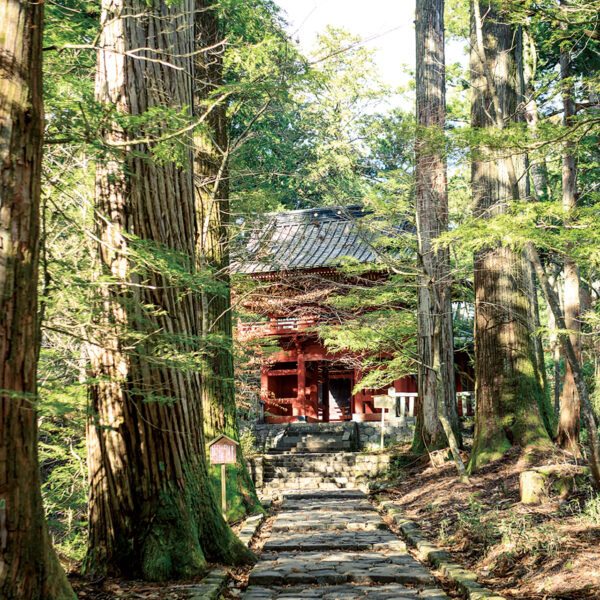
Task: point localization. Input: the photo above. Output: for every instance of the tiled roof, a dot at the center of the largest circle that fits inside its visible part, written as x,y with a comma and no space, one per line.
311,238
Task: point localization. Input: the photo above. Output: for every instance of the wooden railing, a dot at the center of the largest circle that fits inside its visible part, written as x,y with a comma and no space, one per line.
279,326
405,403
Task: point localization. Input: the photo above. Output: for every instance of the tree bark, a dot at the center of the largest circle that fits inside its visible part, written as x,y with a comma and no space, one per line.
29,569
152,511
211,147
574,363
508,394
535,179
436,341
570,412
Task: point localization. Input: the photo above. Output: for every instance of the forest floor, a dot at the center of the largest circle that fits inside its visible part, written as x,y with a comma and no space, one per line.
546,552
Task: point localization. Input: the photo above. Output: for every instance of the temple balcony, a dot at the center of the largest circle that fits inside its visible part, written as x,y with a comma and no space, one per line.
280,326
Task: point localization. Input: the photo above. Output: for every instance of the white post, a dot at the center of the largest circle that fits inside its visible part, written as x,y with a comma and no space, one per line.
411,406
224,490
382,425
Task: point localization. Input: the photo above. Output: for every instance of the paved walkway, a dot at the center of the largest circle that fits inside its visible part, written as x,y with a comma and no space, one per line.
332,545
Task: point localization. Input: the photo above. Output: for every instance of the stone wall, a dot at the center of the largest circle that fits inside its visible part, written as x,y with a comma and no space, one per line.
369,433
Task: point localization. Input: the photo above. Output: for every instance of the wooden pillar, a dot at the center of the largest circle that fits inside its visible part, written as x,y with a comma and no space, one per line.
358,402
313,401
326,398
264,384
300,408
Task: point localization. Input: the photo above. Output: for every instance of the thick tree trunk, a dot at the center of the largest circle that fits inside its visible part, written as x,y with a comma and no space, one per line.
152,511
29,569
568,424
508,394
212,206
436,341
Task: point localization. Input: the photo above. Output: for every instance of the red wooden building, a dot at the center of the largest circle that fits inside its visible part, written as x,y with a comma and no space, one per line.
302,381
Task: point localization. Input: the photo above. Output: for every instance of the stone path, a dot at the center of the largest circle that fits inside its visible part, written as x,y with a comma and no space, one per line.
332,545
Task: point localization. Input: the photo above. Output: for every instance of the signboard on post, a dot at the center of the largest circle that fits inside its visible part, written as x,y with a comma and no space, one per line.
223,451
383,402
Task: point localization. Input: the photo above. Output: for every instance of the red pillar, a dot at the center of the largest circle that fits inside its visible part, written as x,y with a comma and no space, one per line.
264,384
326,399
300,408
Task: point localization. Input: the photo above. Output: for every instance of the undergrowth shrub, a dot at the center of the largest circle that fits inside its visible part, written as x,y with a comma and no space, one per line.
248,442
591,510
479,523
521,536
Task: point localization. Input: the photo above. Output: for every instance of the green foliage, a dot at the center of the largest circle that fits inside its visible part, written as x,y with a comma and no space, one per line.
63,466
591,509
522,536
248,442
480,524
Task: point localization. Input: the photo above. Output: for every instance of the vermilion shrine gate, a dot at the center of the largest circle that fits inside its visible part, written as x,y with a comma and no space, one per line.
303,381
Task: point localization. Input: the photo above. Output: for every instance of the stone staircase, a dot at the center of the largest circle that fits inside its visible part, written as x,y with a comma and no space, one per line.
306,456
297,471
316,437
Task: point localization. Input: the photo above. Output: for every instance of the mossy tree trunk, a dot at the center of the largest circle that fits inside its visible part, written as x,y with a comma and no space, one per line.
570,410
152,510
211,153
536,188
436,340
574,362
29,569
508,395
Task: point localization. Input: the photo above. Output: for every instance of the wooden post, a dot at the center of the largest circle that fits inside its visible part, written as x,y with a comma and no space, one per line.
223,451
264,383
224,490
301,409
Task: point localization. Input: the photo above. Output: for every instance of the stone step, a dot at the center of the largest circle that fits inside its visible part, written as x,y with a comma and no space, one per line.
327,567
308,506
307,541
316,494
308,484
283,489
347,591
348,464
303,459
301,470
327,520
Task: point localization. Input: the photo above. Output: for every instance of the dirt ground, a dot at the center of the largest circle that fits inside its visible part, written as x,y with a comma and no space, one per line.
545,552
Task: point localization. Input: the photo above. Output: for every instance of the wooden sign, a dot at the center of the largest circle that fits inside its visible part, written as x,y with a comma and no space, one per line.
384,402
223,450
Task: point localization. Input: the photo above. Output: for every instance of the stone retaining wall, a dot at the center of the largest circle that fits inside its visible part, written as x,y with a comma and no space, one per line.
365,467
368,433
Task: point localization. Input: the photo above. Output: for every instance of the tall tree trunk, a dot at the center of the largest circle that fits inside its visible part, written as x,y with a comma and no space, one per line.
555,346
436,340
538,168
152,511
574,363
535,177
29,568
568,424
508,394
211,149
529,107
